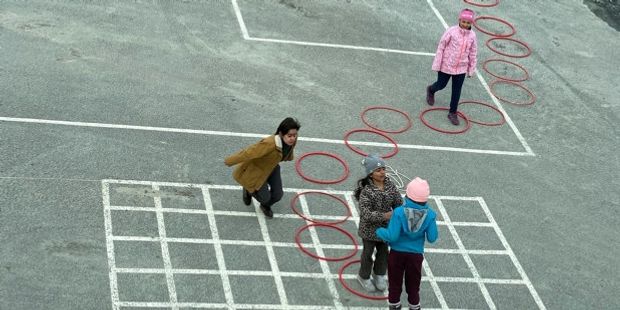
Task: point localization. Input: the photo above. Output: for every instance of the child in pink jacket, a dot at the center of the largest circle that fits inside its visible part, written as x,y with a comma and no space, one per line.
456,56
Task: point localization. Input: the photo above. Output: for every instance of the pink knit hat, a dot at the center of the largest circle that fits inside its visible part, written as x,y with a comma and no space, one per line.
418,190
467,15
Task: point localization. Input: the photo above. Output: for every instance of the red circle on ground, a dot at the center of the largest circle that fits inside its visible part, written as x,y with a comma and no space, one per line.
484,66
482,5
499,35
294,200
486,105
346,286
358,151
529,92
344,175
467,123
329,259
363,115
528,53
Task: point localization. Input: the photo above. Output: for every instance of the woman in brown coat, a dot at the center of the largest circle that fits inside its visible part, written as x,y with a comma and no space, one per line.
258,169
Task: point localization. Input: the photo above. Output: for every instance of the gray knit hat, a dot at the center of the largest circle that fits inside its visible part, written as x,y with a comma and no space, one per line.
372,162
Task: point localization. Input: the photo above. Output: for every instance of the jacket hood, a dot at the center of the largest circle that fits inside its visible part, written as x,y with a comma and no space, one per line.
416,216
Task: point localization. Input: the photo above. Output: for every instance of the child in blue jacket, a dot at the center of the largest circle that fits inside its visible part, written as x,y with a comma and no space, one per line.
410,225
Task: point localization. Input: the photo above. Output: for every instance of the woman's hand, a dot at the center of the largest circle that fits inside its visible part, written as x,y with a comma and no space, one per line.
387,215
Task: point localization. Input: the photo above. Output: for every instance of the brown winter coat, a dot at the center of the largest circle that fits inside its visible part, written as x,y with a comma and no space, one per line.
257,162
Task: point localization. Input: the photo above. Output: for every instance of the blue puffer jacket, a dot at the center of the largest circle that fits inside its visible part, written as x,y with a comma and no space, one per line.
410,224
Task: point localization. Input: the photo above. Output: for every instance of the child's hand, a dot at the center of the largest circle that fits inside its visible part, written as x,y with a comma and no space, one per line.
387,215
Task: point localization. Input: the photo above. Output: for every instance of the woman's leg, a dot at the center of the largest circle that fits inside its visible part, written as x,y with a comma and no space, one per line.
413,276
396,269
457,85
271,192
381,259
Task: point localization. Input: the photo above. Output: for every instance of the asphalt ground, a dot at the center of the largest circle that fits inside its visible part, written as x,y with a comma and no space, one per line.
114,112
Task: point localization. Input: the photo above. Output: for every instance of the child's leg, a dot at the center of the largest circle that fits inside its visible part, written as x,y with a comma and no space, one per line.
396,268
366,258
442,81
381,259
457,85
413,275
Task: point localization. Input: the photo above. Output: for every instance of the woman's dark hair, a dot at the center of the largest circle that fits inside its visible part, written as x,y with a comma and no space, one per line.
361,183
288,124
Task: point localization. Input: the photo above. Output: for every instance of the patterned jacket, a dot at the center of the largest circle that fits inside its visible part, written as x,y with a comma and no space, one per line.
457,52
373,204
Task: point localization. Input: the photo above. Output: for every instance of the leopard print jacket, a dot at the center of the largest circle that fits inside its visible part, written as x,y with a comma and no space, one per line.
373,204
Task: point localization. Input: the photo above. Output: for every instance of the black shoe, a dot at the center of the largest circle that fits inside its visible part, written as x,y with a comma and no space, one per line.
247,198
430,96
266,211
454,119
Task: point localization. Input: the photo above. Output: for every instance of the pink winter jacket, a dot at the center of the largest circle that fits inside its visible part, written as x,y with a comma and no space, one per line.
457,52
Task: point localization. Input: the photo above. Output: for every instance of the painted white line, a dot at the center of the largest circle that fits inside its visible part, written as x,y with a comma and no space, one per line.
165,254
354,212
431,278
443,21
219,253
512,256
254,135
319,251
164,210
105,193
344,46
244,30
271,255
466,257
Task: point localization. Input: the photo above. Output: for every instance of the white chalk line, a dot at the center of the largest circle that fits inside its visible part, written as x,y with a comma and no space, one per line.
165,254
254,135
105,193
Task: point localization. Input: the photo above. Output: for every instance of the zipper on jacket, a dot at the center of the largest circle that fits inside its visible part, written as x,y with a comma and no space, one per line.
458,60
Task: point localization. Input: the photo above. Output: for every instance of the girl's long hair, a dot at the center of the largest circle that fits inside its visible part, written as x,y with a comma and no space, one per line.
361,183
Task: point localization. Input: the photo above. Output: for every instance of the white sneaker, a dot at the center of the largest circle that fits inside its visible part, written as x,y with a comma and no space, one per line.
380,282
366,284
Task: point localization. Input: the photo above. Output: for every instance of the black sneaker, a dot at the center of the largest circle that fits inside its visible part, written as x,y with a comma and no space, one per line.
266,211
247,198
454,119
430,96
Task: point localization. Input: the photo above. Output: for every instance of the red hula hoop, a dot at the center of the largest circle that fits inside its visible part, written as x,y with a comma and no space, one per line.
529,92
462,115
499,35
346,206
348,288
482,5
344,175
363,115
358,151
486,62
528,53
486,105
329,259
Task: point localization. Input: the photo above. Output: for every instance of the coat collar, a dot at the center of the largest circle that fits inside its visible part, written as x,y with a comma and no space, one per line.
278,141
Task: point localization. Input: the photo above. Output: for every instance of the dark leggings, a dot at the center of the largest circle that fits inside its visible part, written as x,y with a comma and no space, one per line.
379,265
271,192
408,265
457,84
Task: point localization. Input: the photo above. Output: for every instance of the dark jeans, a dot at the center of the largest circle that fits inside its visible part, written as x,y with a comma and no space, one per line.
409,265
457,84
380,264
271,192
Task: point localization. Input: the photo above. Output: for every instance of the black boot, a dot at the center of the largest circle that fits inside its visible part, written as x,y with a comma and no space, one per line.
266,211
247,198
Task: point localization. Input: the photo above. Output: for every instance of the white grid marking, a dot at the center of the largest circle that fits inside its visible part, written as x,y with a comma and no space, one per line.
325,273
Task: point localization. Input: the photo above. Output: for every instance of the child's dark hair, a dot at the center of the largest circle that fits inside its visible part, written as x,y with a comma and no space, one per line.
361,183
288,124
